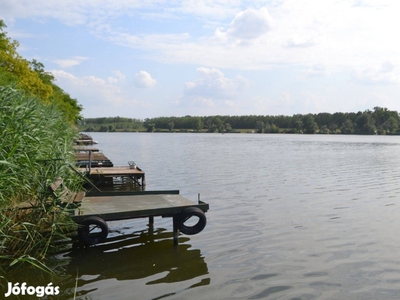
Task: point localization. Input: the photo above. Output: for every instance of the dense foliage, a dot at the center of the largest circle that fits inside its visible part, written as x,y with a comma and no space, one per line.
378,121
31,78
35,149
112,124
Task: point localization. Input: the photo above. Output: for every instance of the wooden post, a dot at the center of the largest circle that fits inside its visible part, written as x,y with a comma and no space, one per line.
151,227
176,230
90,161
143,180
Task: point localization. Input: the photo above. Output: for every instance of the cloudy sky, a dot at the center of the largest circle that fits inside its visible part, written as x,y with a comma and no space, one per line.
149,58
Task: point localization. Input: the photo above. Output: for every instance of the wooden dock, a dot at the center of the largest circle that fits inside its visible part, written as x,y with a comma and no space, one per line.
101,171
85,139
96,210
100,175
93,158
85,149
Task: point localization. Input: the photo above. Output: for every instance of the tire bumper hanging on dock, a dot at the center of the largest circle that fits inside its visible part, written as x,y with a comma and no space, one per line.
186,215
96,210
92,230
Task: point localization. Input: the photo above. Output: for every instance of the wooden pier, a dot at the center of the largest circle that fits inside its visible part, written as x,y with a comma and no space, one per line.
91,157
96,209
100,175
85,139
101,171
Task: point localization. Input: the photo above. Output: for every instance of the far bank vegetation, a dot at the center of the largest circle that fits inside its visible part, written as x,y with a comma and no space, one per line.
377,121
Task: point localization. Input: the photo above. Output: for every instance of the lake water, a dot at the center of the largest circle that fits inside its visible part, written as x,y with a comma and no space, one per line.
291,217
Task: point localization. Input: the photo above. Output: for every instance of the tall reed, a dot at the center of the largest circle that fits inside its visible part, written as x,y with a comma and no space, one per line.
35,150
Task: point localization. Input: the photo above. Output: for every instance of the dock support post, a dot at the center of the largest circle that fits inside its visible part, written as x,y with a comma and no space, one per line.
90,161
176,230
151,220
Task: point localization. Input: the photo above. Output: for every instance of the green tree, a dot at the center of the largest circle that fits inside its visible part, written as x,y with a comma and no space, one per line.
391,125
38,67
382,116
197,124
219,124
324,129
69,106
151,127
228,127
347,127
309,124
32,78
365,123
274,128
260,126
14,69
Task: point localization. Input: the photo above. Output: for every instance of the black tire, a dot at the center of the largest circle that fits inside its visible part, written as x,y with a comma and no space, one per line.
92,230
188,213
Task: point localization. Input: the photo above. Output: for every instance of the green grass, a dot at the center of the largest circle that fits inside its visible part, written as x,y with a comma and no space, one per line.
35,149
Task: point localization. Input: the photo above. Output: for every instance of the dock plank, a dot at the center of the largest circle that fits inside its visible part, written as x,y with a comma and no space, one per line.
111,208
95,156
115,171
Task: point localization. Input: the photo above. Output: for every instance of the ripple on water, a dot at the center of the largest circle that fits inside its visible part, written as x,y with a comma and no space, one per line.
291,217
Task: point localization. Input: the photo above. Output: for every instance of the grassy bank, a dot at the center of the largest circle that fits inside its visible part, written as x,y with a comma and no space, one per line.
35,149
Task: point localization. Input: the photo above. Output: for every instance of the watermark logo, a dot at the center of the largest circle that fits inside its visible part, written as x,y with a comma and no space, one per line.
38,291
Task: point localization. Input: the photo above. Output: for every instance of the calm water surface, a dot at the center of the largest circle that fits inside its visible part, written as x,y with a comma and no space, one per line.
291,217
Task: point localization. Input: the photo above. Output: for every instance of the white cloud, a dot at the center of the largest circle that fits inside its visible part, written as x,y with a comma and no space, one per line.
286,40
144,80
118,77
250,24
336,34
69,12
89,87
300,41
102,97
383,74
318,70
95,93
313,103
73,61
213,83
268,106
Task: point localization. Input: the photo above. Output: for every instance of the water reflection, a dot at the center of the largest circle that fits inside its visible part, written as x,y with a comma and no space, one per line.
143,255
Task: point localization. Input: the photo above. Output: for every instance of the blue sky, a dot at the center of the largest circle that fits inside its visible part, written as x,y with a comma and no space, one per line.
143,59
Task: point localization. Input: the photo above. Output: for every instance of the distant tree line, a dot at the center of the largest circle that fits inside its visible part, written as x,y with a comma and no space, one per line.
111,124
377,121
